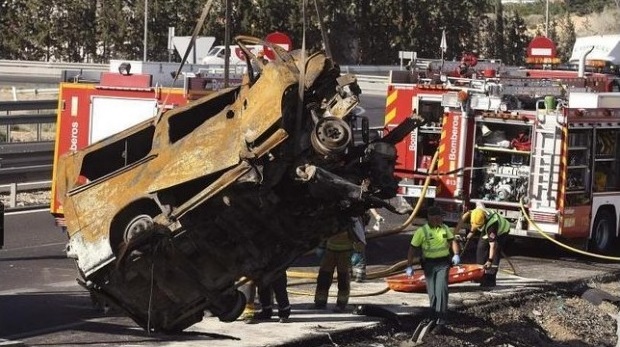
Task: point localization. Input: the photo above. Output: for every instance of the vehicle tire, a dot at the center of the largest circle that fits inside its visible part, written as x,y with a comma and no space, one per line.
603,235
137,225
130,223
235,310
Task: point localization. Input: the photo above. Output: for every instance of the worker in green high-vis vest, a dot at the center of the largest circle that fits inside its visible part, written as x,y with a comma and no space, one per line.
432,244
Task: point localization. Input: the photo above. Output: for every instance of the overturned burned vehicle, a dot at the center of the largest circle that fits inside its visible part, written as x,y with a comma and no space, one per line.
166,217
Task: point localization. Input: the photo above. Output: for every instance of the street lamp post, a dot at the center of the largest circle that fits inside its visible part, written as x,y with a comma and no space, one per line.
146,15
547,20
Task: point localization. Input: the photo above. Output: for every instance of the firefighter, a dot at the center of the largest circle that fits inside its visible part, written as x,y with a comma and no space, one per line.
431,243
494,230
338,250
266,292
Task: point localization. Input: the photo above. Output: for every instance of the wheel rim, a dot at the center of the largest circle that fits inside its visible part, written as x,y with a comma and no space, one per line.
137,225
331,136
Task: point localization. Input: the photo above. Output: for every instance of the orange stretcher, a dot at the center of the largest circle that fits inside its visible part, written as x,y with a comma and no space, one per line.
417,282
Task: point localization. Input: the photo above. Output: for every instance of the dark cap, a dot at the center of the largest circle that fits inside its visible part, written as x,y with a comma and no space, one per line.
434,211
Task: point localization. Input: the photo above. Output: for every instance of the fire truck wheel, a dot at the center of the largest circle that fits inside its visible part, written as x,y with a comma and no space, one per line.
603,233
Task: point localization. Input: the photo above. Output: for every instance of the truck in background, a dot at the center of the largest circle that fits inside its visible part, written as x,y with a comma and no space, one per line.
604,55
507,135
216,54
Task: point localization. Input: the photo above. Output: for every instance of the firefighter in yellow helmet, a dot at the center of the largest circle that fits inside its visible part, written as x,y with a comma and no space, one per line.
494,230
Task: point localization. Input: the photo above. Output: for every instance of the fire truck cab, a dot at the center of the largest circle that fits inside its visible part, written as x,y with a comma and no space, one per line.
442,132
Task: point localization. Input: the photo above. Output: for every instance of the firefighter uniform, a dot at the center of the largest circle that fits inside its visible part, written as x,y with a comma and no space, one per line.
434,239
494,229
337,256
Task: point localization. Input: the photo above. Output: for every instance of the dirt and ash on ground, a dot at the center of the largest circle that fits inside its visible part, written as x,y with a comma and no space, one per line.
551,319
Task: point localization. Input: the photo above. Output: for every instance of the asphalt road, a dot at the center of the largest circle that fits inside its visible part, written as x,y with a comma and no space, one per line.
39,297
37,279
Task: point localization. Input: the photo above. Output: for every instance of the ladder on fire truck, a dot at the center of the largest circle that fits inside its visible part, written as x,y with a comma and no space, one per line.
546,159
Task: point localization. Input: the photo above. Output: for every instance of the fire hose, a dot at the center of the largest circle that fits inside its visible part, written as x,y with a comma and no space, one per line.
572,249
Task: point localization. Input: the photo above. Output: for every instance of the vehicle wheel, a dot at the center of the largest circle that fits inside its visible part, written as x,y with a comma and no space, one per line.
130,223
235,310
136,226
603,233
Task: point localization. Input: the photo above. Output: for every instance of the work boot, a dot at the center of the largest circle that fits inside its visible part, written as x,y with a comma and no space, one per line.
488,282
284,313
248,314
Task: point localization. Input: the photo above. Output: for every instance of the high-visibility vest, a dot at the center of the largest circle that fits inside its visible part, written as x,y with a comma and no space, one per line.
503,226
435,244
340,242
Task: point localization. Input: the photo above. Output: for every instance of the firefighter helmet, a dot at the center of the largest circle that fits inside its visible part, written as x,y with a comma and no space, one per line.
477,219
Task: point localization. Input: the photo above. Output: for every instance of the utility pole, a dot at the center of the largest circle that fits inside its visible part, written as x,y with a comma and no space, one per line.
547,20
146,23
227,43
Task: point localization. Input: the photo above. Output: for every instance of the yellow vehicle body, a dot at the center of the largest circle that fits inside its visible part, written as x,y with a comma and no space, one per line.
165,217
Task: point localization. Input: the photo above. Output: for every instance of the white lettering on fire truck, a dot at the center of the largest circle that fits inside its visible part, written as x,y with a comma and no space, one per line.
74,136
454,137
412,141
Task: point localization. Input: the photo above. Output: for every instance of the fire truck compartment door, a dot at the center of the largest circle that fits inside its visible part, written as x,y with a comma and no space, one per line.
111,115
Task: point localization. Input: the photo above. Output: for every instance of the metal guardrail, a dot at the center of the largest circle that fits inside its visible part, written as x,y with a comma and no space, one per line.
27,162
28,105
47,69
14,188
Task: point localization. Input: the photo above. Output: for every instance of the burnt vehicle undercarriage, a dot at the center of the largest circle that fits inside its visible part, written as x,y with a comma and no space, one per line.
182,249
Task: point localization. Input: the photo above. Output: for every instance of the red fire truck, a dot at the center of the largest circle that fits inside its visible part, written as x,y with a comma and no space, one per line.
84,117
551,145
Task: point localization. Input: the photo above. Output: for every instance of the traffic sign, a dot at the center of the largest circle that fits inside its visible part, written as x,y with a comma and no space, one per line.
541,50
541,47
277,38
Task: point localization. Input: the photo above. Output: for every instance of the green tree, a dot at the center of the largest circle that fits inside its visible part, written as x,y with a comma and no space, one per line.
498,35
73,25
567,38
111,27
517,40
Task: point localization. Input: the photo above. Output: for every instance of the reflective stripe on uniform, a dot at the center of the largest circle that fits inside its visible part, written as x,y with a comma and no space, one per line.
340,242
